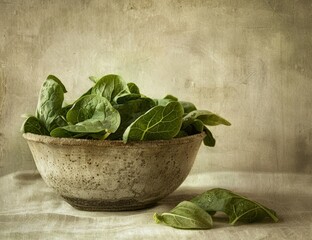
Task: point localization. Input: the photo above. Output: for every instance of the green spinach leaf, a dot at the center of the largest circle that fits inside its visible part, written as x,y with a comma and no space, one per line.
69,106
188,107
85,127
207,117
132,117
90,114
181,133
50,101
209,139
195,127
171,97
61,132
52,77
59,121
133,88
34,125
125,97
160,122
237,207
110,86
129,112
94,79
196,120
185,215
164,101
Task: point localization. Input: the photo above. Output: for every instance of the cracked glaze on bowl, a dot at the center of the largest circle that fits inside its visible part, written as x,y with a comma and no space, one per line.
110,175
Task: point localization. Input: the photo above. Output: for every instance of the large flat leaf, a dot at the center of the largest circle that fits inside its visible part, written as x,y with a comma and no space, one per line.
50,101
237,207
110,86
160,122
185,215
129,112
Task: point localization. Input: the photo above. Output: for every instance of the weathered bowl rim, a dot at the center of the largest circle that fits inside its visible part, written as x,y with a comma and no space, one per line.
89,142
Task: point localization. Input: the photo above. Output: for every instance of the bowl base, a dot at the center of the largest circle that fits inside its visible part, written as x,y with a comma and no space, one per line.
107,206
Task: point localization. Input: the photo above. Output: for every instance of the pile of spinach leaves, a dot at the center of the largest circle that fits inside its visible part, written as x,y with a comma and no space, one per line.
113,109
196,213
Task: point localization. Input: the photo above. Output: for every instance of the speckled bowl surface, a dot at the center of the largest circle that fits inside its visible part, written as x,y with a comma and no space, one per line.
110,175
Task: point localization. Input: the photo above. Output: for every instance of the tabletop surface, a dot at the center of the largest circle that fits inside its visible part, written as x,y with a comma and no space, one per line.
29,209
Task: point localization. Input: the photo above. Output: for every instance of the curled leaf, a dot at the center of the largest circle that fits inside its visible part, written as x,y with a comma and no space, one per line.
237,207
133,88
209,139
90,114
171,97
94,79
207,117
34,125
188,107
185,215
50,101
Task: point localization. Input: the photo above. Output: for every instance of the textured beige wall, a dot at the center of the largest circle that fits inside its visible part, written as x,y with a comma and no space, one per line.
249,61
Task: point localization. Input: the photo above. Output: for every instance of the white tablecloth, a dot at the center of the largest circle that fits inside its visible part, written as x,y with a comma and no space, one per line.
31,210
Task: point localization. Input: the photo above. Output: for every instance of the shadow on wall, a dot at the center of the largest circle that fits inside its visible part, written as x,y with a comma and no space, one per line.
303,155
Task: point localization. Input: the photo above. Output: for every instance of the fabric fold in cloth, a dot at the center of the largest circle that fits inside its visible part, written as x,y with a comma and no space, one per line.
29,209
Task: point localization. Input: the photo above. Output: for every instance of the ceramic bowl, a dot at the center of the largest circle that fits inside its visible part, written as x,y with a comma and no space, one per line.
108,175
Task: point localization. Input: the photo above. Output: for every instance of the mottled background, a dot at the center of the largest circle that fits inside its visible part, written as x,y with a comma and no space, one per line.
249,61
